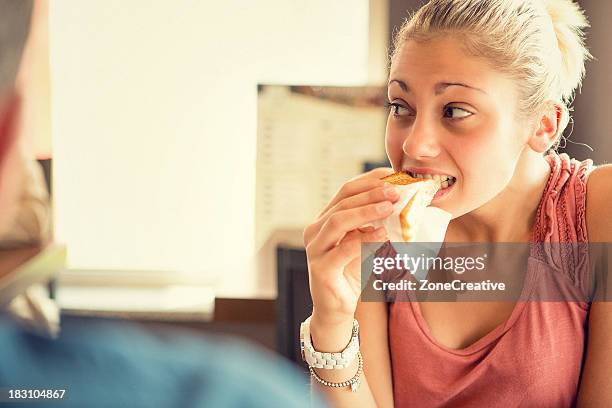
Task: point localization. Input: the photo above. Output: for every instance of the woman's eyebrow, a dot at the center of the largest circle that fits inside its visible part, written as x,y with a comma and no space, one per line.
438,89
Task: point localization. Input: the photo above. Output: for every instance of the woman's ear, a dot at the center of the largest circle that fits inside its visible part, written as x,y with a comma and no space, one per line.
547,128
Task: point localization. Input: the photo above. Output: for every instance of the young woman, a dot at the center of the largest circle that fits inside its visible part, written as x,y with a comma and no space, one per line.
478,90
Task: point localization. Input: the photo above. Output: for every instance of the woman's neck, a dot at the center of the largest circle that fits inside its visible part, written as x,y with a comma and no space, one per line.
510,216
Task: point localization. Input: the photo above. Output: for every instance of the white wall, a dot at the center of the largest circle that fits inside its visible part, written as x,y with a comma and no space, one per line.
154,120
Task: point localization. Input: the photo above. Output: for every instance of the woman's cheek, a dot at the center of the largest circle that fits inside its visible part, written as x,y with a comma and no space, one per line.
394,141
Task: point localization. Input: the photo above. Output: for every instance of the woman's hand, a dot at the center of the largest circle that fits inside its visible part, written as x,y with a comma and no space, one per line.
333,244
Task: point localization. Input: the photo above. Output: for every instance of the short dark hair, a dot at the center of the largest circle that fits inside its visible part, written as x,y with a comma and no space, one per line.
15,18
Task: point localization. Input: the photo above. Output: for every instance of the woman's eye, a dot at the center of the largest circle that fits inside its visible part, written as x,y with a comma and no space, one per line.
461,113
397,110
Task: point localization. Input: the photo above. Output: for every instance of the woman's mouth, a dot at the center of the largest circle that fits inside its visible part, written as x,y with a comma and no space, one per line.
446,182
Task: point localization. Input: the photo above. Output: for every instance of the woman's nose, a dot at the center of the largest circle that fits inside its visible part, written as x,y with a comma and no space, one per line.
421,142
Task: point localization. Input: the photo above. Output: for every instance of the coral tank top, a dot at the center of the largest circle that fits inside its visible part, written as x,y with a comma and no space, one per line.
534,359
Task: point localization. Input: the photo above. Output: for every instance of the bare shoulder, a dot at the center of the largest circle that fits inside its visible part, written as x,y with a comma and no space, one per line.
374,345
598,208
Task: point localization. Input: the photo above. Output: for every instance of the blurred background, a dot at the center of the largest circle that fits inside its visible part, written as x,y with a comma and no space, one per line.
187,143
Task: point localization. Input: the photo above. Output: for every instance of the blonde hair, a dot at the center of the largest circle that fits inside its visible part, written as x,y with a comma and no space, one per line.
538,43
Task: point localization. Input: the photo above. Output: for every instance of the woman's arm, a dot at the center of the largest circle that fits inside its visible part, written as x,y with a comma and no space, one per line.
375,350
596,383
376,387
333,249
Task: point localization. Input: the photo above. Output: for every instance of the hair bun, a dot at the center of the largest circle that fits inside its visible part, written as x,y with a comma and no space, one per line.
569,21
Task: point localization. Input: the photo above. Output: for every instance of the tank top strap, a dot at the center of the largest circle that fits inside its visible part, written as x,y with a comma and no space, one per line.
561,216
560,230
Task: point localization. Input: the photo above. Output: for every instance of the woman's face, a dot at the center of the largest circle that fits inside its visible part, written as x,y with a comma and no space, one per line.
452,114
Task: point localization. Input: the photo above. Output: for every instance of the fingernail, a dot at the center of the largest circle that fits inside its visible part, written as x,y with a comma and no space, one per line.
390,191
383,207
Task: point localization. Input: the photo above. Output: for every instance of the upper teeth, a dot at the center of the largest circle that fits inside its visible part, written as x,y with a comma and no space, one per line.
438,177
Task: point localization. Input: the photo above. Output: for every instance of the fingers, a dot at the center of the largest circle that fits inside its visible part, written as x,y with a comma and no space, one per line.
341,222
354,234
349,249
359,184
351,188
355,187
364,235
369,228
386,192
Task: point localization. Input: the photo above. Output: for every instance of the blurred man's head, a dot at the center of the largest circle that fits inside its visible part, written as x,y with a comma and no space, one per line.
14,27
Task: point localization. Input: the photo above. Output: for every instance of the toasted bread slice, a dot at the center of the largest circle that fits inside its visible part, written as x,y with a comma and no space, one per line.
400,178
418,197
